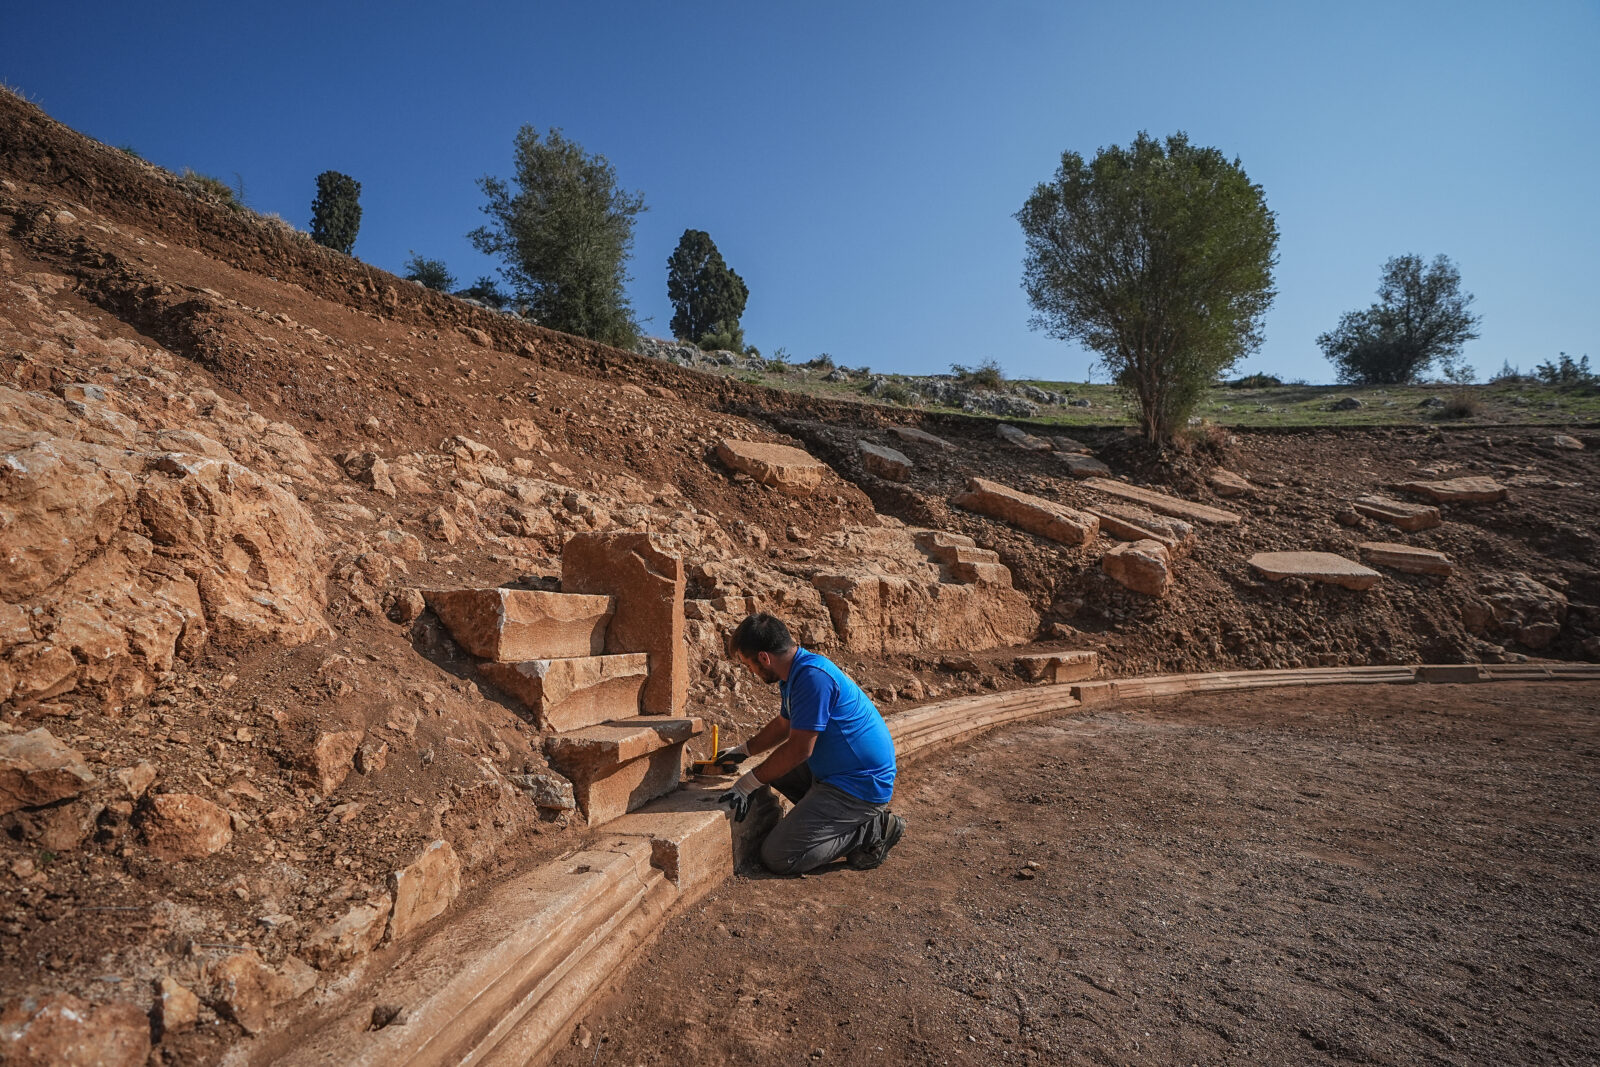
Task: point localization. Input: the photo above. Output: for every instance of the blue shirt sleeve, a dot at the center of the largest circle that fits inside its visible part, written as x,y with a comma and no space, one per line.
811,697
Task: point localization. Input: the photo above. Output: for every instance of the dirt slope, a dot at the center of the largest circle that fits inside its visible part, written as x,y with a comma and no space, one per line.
231,455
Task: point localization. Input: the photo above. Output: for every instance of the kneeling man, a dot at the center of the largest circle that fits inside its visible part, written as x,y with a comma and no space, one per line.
834,758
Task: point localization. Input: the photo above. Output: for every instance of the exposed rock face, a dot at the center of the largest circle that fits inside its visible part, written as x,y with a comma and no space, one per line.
1518,607
1474,490
140,542
885,462
370,470
353,934
182,826
330,757
36,769
423,888
786,469
1143,566
1034,514
647,583
177,1008
886,614
571,693
1315,567
60,1030
247,989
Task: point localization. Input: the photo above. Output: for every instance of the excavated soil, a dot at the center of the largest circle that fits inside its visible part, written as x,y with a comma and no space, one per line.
1376,874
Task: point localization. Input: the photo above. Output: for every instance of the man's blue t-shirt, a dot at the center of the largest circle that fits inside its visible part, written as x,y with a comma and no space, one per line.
854,750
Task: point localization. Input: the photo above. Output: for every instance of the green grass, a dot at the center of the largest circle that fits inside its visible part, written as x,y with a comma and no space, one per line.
1285,405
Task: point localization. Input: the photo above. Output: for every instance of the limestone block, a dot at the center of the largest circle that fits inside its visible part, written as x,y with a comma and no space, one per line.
353,934
1129,524
35,769
1315,567
883,614
1473,490
328,761
1059,668
1409,517
1142,566
594,750
647,585
1407,558
1063,443
1080,465
786,469
980,572
511,625
182,826
423,888
694,840
630,784
912,435
60,1030
1161,502
569,694
885,462
1022,439
246,989
177,1008
1226,483
1034,514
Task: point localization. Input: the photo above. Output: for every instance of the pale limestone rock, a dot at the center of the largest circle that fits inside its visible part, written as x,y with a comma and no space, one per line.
1471,490
353,934
1021,438
329,759
60,1030
885,462
1408,517
789,470
1228,484
914,435
1407,558
424,888
182,826
1142,566
177,1008
36,768
1034,514
1315,567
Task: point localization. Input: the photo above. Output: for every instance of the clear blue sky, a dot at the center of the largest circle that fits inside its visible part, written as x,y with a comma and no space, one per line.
859,164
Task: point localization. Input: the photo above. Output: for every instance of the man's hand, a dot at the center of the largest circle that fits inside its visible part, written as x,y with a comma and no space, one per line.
738,798
728,759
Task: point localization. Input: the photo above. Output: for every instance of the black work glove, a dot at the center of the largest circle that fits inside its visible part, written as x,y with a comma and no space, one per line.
728,759
738,798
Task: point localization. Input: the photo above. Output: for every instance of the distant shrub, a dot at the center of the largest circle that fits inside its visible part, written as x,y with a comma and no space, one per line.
128,149
897,392
429,272
1567,374
208,188
986,375
485,291
821,362
1461,405
1256,381
727,337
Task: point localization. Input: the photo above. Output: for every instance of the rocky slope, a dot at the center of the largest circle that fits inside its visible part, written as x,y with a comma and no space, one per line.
230,458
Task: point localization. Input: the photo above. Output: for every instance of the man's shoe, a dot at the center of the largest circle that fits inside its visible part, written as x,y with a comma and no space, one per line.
865,859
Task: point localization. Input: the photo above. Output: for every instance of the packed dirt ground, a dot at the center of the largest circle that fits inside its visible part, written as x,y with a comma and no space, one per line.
1374,874
232,457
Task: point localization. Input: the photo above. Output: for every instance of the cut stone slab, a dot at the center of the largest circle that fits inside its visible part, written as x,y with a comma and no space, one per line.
424,888
511,625
1166,505
1451,673
1566,442
1407,558
1022,439
1409,517
981,573
786,469
594,749
912,435
1472,490
1060,667
630,785
1080,465
694,840
1034,514
1227,483
1315,567
932,541
1142,566
1068,444
884,461
569,694
1126,525
951,554
647,583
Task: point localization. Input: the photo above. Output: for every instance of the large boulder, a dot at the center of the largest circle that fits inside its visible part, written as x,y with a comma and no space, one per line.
60,1030
884,461
1142,566
185,827
1517,607
36,769
789,470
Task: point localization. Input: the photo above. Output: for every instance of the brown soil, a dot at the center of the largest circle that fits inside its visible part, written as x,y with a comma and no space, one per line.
1372,874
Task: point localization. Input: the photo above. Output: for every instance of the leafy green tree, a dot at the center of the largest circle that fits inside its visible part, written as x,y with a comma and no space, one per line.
565,233
1421,318
1159,258
707,297
336,212
429,272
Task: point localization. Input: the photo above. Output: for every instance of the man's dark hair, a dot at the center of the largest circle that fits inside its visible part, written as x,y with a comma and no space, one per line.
760,633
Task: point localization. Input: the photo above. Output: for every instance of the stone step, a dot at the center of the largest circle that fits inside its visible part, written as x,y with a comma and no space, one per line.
1080,465
912,435
1315,567
785,468
1409,517
1176,534
618,766
571,693
511,625
1060,667
1407,558
1166,505
1032,513
694,840
1474,489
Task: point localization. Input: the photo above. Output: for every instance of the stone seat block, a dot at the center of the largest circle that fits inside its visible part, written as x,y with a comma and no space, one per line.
1161,502
1409,517
597,749
1060,667
1474,489
981,573
1046,518
935,541
571,693
694,840
951,554
1407,558
512,625
1314,567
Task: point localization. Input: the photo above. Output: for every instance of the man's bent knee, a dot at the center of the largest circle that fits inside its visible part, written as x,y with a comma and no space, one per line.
778,859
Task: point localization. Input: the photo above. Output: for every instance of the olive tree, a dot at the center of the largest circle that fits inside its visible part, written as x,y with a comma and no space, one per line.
1421,319
1158,257
565,230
